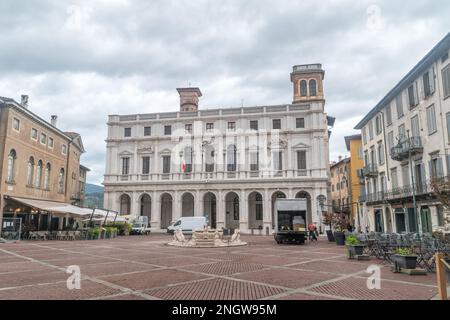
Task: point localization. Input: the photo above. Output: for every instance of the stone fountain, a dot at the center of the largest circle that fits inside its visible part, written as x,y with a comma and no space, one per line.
207,238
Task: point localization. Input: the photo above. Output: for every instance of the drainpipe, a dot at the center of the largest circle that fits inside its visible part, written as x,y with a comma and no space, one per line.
438,91
385,149
67,169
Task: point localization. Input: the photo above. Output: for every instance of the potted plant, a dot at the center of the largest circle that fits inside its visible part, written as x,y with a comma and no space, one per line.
354,246
94,233
404,258
328,220
340,224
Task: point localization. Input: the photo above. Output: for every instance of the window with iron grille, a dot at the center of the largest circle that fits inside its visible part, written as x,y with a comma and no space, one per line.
188,128
167,130
147,131
127,132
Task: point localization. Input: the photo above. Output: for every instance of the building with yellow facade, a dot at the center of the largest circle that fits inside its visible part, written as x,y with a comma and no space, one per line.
347,185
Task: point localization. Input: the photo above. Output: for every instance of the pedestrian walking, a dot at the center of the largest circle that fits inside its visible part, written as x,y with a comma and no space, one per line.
312,232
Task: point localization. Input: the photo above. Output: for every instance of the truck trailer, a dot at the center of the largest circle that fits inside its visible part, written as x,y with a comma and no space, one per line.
291,221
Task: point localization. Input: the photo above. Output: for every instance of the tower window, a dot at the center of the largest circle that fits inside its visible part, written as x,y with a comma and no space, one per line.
303,88
312,88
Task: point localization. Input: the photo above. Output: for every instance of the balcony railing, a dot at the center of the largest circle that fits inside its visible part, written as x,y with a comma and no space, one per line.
406,147
399,193
203,176
370,170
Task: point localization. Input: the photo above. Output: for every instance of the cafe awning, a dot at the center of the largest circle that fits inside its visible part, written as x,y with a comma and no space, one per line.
54,207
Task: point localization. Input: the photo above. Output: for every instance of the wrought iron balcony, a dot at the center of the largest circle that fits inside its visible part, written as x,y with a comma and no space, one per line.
370,170
406,147
396,194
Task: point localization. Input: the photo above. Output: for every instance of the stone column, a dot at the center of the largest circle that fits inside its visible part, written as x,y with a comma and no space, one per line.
267,212
243,211
220,210
198,205
156,211
176,206
134,205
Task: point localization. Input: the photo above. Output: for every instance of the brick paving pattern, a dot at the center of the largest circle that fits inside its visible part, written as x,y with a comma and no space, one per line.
136,268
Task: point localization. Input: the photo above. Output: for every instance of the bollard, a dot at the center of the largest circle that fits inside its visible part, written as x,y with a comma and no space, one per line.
441,276
267,231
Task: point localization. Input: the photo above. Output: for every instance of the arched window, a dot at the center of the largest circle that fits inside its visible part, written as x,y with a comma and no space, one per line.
303,88
38,181
11,165
47,177
312,88
61,178
30,172
231,158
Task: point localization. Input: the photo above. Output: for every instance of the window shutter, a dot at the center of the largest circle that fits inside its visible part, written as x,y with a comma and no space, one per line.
439,168
416,94
432,80
430,167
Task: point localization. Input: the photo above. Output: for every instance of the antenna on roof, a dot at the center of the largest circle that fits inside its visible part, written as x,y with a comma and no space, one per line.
242,103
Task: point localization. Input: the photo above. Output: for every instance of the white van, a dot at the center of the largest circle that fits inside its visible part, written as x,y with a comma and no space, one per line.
188,224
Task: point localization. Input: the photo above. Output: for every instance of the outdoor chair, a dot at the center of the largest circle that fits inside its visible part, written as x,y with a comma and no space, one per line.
71,235
60,235
32,235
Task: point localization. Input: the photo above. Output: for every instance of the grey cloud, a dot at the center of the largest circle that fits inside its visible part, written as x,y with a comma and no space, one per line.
129,56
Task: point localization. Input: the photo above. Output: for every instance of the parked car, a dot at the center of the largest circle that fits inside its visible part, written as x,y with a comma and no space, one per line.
187,224
140,226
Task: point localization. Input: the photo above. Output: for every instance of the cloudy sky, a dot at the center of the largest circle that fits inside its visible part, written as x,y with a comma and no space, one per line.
83,60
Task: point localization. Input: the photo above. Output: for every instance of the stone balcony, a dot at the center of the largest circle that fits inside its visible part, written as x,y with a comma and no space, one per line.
217,176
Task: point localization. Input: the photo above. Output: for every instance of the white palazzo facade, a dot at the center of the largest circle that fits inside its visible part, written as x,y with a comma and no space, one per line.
227,164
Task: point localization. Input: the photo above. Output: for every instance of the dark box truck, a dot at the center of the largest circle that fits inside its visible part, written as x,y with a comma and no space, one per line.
290,221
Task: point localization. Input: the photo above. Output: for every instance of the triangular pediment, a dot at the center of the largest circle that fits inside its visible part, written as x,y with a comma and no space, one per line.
166,151
125,153
301,146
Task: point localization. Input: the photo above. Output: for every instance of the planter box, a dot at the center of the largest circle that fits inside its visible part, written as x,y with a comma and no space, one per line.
405,262
330,236
356,250
340,238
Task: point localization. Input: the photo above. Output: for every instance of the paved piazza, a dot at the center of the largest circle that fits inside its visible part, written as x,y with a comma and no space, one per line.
145,268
